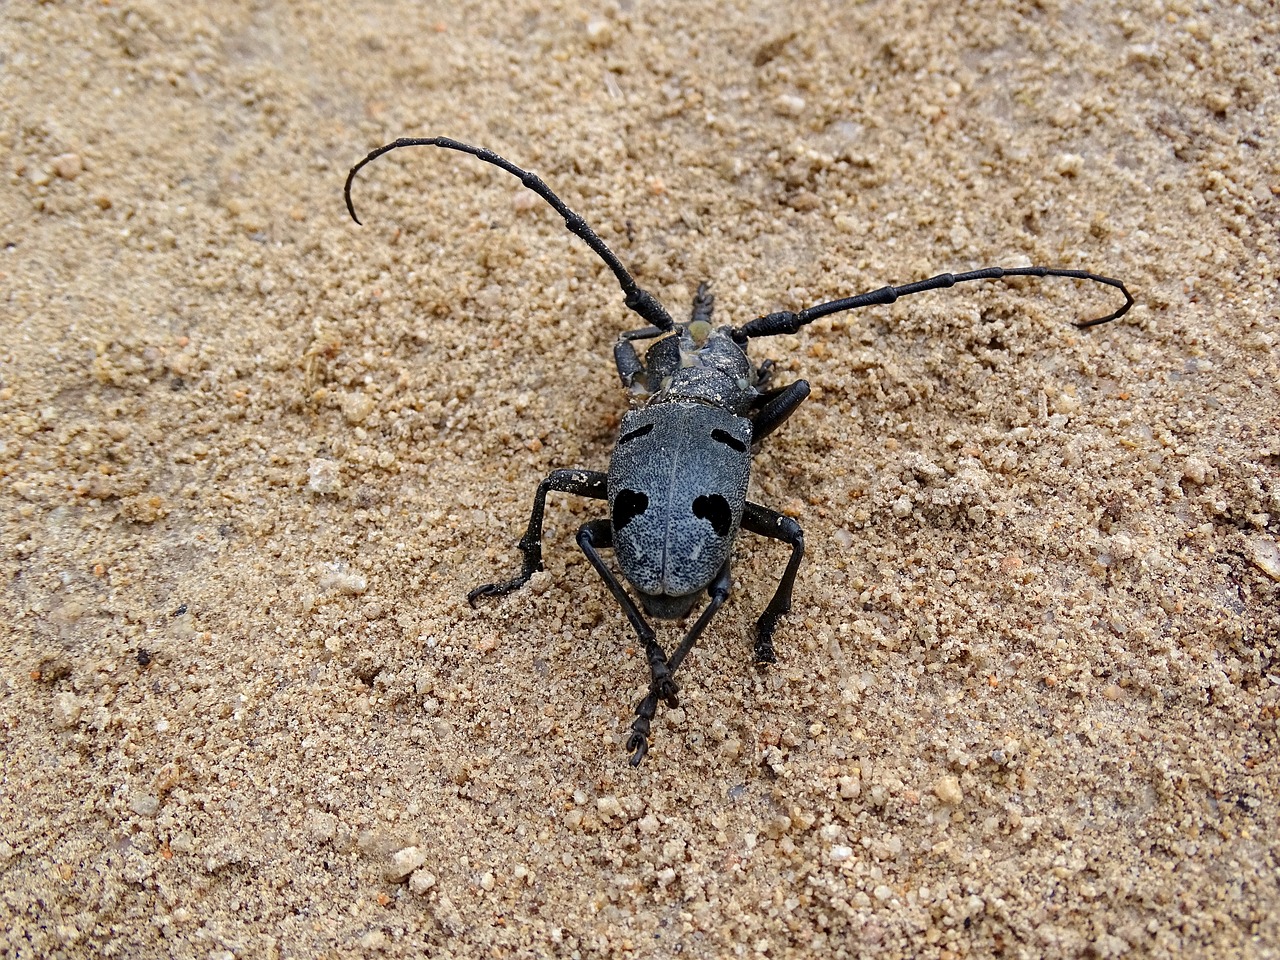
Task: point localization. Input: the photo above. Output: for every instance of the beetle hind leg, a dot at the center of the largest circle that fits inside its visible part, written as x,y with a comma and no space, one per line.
595,535
662,686
638,742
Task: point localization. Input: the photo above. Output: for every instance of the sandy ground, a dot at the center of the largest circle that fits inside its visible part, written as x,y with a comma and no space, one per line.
254,456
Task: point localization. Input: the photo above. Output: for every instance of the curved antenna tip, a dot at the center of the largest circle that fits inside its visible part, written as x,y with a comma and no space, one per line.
346,191
1099,321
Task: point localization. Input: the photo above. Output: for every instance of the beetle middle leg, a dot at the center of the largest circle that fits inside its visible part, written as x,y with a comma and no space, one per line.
776,526
584,483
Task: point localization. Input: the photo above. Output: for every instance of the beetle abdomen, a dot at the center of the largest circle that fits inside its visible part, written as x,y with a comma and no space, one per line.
677,485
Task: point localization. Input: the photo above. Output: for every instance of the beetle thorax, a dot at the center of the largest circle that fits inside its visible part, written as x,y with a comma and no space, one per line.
713,370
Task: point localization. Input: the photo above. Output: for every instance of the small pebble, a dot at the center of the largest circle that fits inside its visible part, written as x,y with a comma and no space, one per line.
1195,470
356,407
324,476
66,710
1068,164
421,881
599,32
1264,553
68,166
144,804
321,825
609,808
789,105
948,790
343,581
404,862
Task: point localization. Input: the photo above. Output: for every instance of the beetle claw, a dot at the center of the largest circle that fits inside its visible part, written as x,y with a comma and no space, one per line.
666,689
637,746
495,589
638,742
764,651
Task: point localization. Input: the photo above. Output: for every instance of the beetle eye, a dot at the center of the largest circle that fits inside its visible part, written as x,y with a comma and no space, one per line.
635,434
729,440
715,510
629,505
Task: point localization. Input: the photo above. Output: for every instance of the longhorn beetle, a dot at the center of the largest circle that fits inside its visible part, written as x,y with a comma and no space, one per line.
677,480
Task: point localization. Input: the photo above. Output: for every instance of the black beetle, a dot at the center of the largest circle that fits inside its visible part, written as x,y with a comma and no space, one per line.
677,480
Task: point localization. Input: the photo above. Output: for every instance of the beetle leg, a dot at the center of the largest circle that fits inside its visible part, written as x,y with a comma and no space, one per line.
638,742
703,304
764,375
775,406
770,523
584,483
630,367
661,685
599,533
718,591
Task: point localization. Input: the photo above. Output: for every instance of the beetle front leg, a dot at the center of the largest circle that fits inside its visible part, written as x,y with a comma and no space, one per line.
770,523
630,367
774,407
584,483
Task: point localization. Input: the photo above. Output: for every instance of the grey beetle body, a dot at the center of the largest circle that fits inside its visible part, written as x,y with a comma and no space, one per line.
679,471
677,486
677,481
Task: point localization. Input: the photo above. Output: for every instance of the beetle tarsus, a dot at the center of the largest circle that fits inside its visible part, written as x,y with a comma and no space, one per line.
584,483
497,589
638,742
659,672
764,649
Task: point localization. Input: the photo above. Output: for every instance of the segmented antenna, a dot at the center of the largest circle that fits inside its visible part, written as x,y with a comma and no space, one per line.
785,321
636,298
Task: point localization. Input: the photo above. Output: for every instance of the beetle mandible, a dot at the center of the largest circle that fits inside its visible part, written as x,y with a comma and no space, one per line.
677,479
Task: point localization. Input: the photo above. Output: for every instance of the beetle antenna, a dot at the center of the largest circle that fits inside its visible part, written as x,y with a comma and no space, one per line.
787,322
636,298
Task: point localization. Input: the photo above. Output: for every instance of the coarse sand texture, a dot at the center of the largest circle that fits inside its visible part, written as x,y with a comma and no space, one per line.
253,458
